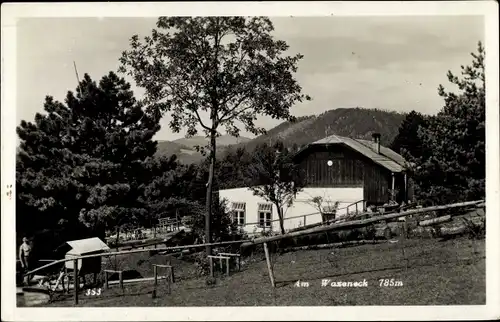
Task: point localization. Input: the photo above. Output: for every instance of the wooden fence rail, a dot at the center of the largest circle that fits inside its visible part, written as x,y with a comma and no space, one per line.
358,223
134,251
248,242
306,215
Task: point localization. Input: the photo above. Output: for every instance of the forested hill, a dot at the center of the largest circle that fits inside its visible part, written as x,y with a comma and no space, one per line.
350,122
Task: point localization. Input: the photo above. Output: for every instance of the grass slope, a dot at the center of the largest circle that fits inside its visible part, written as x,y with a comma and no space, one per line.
440,273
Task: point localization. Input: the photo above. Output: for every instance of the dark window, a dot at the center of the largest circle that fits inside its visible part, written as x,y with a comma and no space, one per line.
239,210
265,215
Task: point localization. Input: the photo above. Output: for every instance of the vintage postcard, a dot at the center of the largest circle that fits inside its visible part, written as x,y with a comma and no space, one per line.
250,161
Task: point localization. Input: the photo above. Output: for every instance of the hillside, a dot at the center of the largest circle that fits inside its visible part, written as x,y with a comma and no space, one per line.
185,149
223,140
168,148
351,122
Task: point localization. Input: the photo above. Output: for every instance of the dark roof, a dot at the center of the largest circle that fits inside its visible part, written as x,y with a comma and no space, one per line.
387,158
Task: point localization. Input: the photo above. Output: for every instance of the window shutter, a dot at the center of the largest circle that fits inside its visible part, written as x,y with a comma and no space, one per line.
238,206
267,207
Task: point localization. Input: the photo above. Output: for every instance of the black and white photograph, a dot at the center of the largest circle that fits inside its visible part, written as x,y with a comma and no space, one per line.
267,161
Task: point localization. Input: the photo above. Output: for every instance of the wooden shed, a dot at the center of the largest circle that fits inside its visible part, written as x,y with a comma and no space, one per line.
343,162
82,247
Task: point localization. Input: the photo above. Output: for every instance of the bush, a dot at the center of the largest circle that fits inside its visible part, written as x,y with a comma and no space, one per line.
266,233
186,221
222,226
210,281
201,264
475,230
368,232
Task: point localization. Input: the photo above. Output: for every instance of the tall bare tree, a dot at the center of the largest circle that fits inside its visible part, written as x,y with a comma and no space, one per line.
230,68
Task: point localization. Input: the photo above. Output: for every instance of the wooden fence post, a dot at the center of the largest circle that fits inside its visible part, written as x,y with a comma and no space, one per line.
211,263
62,280
269,267
167,278
75,279
67,275
154,233
121,279
227,266
156,275
155,283
172,274
177,218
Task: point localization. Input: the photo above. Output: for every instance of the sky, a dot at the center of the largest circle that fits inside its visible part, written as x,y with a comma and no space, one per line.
391,63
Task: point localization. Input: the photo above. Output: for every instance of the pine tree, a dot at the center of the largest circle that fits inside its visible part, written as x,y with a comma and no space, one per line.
172,187
407,141
85,160
453,166
231,170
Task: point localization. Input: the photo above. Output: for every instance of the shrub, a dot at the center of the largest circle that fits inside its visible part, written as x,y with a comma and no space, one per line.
210,281
222,226
201,264
368,232
475,230
186,221
266,233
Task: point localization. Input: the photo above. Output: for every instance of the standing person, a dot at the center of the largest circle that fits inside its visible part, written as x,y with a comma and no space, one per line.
25,257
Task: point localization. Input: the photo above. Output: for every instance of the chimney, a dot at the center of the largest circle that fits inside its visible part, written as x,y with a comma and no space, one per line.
376,141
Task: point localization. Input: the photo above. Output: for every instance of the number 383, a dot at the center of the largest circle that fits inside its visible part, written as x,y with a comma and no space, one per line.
93,292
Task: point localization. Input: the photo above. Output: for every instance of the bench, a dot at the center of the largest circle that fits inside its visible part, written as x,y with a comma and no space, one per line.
169,278
236,256
220,258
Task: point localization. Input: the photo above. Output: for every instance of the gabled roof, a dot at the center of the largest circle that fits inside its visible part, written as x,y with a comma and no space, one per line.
84,246
387,158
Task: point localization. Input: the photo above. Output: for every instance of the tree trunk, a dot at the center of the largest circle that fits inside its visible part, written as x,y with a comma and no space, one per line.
117,236
280,216
117,240
154,232
208,215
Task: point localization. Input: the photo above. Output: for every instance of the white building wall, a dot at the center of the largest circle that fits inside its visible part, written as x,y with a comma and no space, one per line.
301,206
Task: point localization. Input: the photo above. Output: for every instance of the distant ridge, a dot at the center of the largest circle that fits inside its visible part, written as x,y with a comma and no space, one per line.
356,122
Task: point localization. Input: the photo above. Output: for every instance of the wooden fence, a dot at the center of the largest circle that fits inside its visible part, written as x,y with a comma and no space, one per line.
265,240
247,242
355,204
360,223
